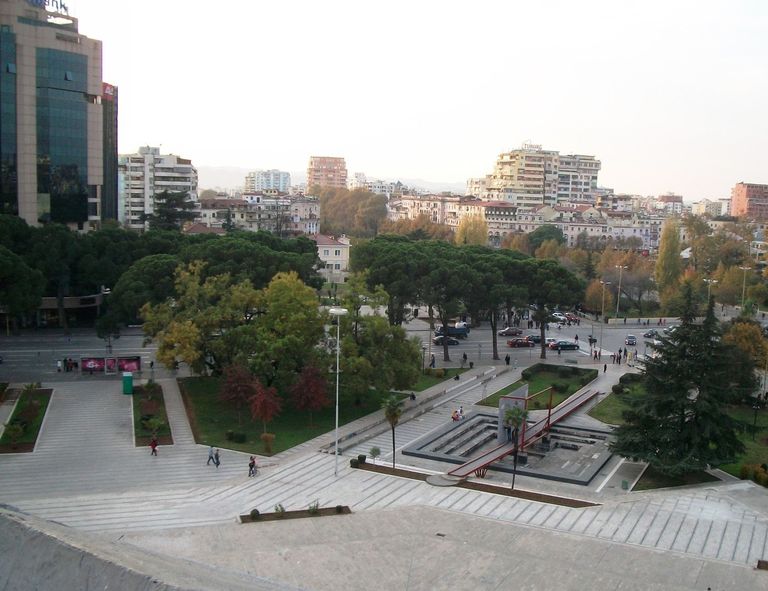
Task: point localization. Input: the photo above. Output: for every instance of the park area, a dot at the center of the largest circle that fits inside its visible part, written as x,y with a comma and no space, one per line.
753,433
221,424
23,427
149,416
563,381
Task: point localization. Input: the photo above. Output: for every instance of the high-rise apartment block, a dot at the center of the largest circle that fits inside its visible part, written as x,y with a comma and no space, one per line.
51,117
327,171
147,173
267,180
531,176
750,200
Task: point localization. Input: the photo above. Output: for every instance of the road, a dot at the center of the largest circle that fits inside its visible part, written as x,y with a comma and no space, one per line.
32,355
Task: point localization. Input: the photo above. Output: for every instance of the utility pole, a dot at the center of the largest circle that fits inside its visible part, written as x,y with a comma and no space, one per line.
618,293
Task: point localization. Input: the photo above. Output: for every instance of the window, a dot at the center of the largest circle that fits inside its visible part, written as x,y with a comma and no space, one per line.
337,253
337,266
68,75
326,252
10,68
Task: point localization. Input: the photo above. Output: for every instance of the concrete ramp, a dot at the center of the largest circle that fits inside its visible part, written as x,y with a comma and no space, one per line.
37,554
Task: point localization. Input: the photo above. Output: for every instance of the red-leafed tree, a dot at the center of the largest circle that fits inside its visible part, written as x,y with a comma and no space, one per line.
265,404
238,387
310,391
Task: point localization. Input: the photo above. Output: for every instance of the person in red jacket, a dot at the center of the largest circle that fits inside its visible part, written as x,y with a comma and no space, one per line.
153,446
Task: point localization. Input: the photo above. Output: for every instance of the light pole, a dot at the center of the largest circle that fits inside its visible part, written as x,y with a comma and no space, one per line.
602,312
337,313
744,286
423,354
709,283
755,407
618,292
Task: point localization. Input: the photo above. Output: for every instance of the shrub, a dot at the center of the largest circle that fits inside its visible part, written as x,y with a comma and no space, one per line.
439,372
361,459
354,463
14,431
537,404
238,437
375,453
746,472
339,509
229,435
280,510
631,378
428,371
526,374
314,508
564,372
560,387
762,479
617,389
254,514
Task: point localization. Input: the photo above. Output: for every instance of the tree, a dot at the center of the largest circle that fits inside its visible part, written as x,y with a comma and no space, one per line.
668,265
148,281
544,233
265,404
514,418
310,391
392,412
238,387
517,241
747,336
550,249
472,230
681,424
171,211
596,299
21,288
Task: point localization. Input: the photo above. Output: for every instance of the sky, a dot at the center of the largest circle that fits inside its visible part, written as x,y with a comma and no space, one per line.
669,95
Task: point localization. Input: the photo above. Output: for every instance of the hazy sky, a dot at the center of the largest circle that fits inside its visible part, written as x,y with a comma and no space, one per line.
670,95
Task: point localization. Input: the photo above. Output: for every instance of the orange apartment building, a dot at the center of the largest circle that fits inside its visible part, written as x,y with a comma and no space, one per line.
750,200
327,171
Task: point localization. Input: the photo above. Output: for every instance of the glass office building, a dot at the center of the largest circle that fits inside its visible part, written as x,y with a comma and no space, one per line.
52,120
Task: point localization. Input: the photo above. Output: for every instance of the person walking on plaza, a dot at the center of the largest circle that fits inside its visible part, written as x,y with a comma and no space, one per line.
252,467
432,361
216,459
463,359
605,367
210,457
153,446
506,359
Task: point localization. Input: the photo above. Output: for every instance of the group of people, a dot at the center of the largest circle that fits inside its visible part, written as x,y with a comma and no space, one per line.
213,456
67,364
457,414
624,354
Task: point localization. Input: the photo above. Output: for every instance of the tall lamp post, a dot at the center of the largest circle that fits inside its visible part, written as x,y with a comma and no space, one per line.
709,283
618,292
423,355
337,313
744,286
602,311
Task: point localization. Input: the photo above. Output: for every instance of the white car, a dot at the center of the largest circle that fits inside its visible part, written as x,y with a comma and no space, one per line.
559,316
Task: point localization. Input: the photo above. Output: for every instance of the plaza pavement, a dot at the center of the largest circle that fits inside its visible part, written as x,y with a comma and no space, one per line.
86,473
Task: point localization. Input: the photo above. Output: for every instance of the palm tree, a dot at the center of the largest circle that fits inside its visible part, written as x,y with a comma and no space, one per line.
392,411
513,418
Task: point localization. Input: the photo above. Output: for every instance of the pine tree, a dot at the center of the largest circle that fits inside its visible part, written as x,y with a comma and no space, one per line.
681,424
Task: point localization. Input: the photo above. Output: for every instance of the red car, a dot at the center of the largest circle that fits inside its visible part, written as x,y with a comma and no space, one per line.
520,343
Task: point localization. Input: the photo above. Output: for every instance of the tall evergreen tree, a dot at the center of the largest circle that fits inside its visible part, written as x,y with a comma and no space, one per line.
681,424
171,211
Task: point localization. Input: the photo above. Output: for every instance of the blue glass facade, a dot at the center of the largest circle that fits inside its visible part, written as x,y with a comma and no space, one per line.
9,196
62,136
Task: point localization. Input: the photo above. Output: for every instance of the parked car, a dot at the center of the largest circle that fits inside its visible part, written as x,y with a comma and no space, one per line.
631,340
510,331
521,342
439,341
650,334
563,345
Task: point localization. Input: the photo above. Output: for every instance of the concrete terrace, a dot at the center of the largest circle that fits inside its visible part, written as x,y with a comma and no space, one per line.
86,474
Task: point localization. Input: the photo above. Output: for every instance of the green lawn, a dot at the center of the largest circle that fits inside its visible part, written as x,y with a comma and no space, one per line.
652,479
211,418
543,377
427,381
143,406
29,411
610,408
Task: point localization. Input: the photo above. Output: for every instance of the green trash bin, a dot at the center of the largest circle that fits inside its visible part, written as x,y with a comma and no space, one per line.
127,382
624,485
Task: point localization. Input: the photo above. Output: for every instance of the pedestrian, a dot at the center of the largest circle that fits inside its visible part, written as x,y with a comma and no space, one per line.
58,365
577,338
605,367
152,365
461,412
463,359
558,349
613,358
251,467
216,459
599,354
506,359
210,456
432,361
153,446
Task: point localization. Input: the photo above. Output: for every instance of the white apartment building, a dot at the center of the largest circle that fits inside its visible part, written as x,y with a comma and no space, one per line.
379,187
531,176
670,203
333,253
280,214
709,208
146,173
267,180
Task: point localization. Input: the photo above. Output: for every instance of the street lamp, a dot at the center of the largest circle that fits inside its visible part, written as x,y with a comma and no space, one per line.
709,283
337,313
755,407
602,312
618,293
423,354
744,286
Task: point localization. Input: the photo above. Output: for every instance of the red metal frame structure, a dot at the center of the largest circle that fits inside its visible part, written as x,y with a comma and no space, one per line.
479,465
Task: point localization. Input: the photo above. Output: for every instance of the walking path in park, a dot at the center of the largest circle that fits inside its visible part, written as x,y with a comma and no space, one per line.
86,473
